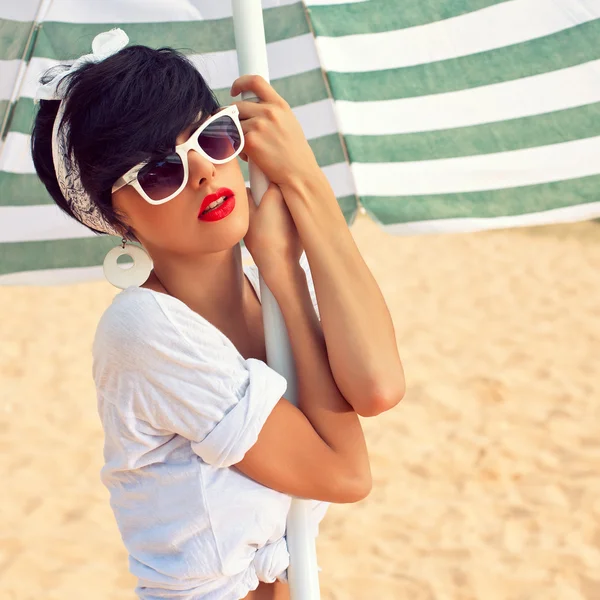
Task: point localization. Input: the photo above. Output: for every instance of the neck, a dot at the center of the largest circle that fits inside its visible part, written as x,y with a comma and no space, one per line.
213,286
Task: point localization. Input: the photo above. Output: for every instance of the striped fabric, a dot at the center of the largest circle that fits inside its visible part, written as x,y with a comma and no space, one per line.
467,115
455,116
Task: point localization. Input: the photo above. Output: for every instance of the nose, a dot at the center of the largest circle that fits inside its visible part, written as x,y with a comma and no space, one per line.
201,170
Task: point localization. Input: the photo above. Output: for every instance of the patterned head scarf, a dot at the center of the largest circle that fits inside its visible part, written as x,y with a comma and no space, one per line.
65,166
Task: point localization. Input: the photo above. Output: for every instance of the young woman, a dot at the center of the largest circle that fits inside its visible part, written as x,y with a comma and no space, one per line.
202,450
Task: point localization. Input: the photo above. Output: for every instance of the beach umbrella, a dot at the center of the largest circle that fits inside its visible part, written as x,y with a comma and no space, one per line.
40,245
430,116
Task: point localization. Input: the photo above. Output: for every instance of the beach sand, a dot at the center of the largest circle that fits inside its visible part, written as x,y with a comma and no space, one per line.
486,476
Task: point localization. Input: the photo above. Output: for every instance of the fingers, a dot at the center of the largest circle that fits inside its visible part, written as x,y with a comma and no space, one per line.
249,124
258,85
273,190
250,110
260,121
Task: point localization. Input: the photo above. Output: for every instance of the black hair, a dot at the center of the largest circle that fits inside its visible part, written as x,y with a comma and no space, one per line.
121,111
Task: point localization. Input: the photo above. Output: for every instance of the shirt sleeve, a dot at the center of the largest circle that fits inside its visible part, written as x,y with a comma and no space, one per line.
176,372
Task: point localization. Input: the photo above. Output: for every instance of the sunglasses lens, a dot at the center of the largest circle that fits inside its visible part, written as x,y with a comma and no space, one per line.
160,178
221,139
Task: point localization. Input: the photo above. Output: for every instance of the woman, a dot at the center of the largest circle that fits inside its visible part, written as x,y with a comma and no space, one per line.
202,450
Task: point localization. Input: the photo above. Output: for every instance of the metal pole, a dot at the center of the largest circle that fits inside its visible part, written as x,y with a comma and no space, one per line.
252,59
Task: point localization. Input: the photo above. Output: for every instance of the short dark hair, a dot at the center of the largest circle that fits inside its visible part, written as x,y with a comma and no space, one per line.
121,111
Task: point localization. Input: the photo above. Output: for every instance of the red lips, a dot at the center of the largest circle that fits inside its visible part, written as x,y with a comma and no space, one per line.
215,196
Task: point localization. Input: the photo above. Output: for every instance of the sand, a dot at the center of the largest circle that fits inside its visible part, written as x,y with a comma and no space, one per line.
486,476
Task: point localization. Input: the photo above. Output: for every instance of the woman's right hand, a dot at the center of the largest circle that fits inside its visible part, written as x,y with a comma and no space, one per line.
272,238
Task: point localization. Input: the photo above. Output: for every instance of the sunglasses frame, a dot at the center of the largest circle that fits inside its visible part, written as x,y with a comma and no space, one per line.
131,177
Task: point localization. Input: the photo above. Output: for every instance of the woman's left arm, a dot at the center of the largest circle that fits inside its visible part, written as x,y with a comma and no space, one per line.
356,322
357,326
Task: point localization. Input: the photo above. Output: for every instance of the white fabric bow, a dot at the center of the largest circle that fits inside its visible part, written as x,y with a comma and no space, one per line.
104,45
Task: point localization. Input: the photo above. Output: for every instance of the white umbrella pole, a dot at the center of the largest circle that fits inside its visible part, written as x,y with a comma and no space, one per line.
252,59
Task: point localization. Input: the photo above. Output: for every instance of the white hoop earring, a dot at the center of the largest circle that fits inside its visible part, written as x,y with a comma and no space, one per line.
124,277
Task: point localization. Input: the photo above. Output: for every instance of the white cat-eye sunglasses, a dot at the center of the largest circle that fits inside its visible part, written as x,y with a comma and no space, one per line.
219,139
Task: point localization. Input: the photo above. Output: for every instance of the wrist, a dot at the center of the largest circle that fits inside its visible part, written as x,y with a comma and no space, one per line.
313,205
306,184
283,278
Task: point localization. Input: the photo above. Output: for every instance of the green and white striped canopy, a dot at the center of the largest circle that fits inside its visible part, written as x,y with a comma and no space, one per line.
434,116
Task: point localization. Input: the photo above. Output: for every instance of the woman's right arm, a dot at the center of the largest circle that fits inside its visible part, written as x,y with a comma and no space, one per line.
318,449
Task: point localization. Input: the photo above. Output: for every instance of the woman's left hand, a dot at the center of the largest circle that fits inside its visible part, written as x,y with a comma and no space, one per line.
274,139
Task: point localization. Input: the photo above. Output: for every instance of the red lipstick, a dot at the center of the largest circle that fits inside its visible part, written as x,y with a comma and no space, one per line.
221,211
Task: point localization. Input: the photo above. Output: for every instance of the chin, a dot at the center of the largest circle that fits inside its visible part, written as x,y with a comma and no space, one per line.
229,232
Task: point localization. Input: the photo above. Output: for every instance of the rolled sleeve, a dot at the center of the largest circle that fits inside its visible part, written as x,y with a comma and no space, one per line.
238,430
173,371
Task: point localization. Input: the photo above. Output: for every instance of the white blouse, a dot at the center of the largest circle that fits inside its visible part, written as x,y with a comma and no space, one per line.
179,406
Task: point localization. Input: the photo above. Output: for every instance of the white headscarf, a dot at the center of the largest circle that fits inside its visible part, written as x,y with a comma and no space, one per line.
66,168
